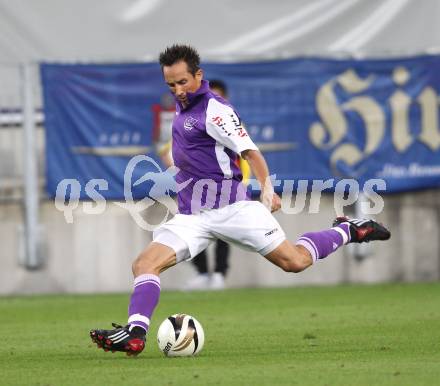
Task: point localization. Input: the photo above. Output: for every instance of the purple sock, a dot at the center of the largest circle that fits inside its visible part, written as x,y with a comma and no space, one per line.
143,301
321,244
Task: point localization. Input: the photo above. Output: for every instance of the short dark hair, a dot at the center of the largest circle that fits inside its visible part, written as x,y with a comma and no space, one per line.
219,84
180,52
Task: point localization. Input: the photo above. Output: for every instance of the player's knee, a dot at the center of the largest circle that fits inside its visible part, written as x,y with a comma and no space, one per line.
143,264
136,266
293,266
287,264
295,263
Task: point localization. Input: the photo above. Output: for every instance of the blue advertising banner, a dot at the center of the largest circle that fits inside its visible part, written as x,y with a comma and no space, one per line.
313,118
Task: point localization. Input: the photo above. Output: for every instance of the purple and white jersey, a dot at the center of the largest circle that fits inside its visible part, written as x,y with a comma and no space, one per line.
207,136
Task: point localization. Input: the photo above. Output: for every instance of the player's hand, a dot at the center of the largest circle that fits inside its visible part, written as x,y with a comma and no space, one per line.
270,200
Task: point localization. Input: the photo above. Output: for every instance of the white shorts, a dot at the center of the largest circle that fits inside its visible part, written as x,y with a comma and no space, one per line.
248,224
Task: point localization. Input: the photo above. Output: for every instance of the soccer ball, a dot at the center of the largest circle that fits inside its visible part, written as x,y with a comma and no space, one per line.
180,335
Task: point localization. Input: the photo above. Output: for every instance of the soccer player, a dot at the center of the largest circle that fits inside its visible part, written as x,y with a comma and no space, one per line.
203,280
216,281
207,136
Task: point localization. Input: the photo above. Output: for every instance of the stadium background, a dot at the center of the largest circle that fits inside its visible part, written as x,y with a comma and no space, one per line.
41,253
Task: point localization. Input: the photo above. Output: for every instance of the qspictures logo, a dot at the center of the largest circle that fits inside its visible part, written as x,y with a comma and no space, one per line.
162,187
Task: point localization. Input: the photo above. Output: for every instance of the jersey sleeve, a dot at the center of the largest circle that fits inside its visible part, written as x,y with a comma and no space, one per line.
224,125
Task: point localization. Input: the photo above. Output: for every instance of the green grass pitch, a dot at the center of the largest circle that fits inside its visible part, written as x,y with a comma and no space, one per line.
345,335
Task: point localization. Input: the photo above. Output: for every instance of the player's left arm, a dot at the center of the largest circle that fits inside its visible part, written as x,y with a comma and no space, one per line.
224,125
260,170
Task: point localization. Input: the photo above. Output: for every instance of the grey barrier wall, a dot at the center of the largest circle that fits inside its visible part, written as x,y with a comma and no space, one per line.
94,253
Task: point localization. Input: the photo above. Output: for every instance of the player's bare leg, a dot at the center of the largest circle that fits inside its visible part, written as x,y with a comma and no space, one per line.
290,258
317,245
154,259
131,338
